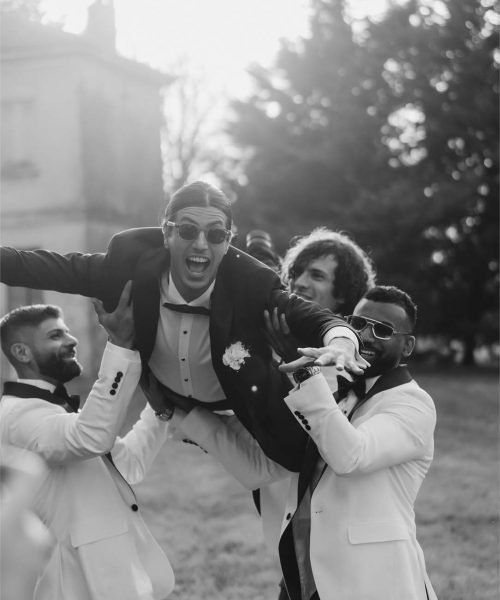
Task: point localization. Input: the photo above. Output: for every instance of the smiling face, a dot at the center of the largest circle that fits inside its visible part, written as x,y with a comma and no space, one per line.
194,263
316,282
53,351
384,355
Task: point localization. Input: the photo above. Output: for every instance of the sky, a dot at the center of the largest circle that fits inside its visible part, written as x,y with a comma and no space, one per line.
219,37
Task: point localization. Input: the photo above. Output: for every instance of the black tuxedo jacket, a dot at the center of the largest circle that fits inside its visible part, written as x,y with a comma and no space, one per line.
244,287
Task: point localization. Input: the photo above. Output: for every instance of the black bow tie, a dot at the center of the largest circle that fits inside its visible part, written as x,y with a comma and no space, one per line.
186,308
358,386
62,393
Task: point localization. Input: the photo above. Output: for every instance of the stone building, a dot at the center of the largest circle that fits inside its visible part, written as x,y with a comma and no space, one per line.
80,150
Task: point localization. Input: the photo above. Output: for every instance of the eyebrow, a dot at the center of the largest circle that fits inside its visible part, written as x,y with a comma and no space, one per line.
57,330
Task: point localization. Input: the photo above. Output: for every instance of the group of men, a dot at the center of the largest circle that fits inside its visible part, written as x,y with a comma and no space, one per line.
201,325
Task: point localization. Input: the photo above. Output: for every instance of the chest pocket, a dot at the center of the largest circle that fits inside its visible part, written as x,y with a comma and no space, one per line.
377,531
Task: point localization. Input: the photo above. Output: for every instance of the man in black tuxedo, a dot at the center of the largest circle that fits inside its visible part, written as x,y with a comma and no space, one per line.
198,309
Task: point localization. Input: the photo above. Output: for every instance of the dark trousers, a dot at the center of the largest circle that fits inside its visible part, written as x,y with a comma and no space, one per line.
284,596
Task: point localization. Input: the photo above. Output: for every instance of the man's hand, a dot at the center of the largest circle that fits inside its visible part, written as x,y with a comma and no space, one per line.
278,335
119,324
160,398
341,352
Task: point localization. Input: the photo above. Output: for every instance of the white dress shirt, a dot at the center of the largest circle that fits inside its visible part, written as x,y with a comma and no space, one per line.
181,358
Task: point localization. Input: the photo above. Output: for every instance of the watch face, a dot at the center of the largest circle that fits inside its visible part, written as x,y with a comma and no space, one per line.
165,415
304,373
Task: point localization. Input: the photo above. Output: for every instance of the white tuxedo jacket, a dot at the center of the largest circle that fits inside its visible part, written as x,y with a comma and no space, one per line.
363,542
103,549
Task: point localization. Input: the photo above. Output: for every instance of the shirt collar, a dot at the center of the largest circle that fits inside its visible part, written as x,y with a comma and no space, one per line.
173,295
40,383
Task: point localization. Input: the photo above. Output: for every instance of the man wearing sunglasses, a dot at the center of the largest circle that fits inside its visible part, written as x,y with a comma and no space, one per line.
348,525
198,309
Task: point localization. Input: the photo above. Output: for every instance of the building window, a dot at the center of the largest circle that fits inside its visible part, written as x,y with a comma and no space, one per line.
17,160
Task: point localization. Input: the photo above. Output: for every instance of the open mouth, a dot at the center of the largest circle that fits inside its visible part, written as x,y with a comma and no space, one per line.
197,264
368,355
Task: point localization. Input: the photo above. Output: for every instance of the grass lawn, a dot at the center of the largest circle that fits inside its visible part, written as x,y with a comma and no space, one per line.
207,523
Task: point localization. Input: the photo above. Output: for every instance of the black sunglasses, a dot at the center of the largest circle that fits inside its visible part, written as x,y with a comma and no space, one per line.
188,231
381,331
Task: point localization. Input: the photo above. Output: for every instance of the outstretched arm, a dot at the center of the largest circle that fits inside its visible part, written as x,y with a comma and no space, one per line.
401,430
73,273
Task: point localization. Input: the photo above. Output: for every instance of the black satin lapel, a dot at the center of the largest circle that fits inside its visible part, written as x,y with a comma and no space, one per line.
388,380
24,390
146,299
221,311
309,462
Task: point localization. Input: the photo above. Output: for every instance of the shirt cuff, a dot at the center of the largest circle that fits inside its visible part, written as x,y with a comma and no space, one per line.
340,331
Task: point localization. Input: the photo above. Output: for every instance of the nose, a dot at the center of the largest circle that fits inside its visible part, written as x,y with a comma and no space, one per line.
366,334
71,340
201,240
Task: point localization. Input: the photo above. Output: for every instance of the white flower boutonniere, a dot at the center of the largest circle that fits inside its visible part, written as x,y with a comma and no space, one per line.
235,355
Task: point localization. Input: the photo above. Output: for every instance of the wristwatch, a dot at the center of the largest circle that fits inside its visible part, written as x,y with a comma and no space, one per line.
166,414
300,375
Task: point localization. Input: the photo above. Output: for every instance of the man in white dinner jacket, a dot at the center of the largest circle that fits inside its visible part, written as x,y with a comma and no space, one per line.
348,530
102,547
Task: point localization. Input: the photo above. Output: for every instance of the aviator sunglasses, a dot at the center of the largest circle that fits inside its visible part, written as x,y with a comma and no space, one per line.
381,331
189,232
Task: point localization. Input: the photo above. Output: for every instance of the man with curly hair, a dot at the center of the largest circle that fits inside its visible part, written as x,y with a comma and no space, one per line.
328,268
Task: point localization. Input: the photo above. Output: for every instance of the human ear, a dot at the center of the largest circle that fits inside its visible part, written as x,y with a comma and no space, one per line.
21,352
409,345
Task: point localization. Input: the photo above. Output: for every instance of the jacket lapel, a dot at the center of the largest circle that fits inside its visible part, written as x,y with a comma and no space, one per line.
221,310
146,298
25,390
391,379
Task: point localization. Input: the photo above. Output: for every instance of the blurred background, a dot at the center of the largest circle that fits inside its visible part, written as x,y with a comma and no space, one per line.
372,117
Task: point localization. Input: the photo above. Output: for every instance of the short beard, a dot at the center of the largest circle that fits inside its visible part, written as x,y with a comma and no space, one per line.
380,367
59,369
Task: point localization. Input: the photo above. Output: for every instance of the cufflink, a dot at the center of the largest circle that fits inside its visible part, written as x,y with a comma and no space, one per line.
166,414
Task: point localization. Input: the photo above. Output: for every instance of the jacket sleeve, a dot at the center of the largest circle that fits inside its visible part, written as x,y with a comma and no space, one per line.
73,273
308,321
401,430
134,453
60,437
230,443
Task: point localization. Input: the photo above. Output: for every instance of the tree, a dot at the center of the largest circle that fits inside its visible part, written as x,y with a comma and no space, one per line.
441,69
389,133
190,140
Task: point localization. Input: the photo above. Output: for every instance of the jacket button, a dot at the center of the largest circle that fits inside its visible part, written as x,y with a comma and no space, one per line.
289,516
119,374
114,386
134,507
112,392
307,427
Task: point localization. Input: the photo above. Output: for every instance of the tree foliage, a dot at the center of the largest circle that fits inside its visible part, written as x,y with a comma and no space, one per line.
389,132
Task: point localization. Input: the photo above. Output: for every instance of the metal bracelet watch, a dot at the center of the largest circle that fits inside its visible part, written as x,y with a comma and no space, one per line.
300,375
166,414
